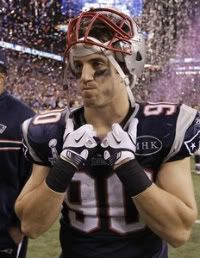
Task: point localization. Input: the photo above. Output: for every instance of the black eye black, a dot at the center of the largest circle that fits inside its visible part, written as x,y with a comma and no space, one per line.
78,66
77,70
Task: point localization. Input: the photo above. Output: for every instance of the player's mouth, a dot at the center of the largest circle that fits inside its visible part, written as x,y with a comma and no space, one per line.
88,88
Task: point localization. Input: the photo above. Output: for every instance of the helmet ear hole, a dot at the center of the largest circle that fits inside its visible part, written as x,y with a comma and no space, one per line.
138,56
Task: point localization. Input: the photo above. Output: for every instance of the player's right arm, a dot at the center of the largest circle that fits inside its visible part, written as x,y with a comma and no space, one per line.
40,202
38,206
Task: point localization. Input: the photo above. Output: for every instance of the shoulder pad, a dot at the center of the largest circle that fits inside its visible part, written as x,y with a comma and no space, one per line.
187,135
43,130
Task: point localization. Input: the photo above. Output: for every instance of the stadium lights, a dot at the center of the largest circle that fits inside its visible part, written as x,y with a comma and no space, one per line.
187,72
31,51
185,60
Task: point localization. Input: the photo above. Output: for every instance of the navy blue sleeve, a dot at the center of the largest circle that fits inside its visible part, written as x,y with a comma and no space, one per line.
43,137
187,140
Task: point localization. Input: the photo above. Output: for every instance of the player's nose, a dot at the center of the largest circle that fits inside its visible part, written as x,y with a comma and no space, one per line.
87,73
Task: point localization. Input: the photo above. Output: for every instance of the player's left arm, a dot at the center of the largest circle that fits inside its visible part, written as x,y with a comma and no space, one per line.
169,207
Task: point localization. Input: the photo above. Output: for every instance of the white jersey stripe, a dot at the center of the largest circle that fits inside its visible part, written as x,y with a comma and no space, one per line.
8,141
9,148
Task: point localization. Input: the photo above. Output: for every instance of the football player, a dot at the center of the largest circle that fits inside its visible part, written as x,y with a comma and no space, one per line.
14,167
119,171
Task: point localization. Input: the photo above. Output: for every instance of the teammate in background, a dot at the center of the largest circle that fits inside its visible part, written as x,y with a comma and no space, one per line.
118,170
14,167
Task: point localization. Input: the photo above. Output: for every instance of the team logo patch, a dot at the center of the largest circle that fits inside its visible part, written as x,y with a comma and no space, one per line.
193,144
147,145
2,128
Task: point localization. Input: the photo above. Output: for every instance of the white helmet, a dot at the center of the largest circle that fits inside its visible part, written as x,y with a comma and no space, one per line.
109,31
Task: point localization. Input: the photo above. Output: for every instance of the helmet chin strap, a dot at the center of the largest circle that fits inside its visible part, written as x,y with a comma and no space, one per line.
123,76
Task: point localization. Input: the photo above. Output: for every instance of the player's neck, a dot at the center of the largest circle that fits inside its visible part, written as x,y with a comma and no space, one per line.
102,118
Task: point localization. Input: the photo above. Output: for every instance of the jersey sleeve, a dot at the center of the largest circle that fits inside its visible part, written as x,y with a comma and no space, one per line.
43,137
187,134
198,151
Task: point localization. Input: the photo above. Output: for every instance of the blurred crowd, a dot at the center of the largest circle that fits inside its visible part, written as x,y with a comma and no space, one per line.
172,30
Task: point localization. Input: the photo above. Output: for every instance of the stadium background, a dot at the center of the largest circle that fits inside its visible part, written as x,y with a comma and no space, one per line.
172,33
33,35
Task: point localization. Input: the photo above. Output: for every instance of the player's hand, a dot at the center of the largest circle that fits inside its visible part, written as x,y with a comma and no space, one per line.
120,145
78,145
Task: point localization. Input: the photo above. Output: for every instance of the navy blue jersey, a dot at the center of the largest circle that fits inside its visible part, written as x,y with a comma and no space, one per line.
14,168
99,218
